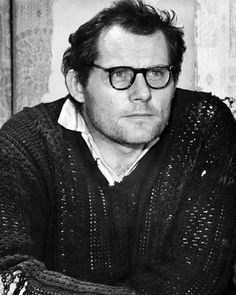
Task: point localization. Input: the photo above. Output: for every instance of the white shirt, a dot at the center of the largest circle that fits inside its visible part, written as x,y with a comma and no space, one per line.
70,118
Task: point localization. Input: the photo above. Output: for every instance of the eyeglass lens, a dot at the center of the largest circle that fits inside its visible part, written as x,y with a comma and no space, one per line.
123,77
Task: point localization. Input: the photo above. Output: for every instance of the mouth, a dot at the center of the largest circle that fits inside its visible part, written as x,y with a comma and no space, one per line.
140,115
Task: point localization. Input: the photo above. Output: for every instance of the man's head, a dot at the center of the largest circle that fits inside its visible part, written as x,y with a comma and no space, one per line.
122,67
133,16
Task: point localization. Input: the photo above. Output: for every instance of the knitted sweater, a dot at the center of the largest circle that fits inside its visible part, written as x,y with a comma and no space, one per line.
167,228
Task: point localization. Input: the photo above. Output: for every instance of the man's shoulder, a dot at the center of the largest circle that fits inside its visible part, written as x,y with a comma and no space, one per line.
185,96
203,104
27,127
30,116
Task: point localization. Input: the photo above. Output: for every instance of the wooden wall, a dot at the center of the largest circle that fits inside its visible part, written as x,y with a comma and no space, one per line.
5,62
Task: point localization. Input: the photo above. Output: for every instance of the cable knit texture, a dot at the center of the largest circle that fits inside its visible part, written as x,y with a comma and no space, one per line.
167,228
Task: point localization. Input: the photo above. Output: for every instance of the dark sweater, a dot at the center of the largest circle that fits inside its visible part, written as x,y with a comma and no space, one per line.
167,228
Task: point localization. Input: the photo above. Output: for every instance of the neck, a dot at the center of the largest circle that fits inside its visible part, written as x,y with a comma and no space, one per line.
119,157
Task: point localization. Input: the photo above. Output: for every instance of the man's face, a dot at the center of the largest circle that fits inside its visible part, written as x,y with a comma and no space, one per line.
136,115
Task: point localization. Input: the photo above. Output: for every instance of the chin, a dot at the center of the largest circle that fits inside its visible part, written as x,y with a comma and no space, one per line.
146,136
140,139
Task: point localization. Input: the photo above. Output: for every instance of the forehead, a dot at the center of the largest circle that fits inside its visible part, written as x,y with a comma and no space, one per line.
117,46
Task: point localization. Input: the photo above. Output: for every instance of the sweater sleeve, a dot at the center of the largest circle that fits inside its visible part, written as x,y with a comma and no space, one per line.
199,249
21,268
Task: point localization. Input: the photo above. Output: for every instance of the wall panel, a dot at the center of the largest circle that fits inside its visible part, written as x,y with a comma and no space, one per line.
5,61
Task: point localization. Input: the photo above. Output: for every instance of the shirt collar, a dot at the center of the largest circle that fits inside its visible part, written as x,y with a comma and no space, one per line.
71,118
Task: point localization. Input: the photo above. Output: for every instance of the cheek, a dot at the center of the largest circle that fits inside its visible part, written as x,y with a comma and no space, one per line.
166,97
109,103
161,103
103,106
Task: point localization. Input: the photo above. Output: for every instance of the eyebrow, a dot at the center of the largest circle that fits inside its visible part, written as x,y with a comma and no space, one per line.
129,67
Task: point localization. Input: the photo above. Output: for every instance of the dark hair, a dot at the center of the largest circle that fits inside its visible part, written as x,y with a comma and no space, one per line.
135,17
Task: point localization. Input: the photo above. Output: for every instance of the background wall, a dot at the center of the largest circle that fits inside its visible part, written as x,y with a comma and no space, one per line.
34,33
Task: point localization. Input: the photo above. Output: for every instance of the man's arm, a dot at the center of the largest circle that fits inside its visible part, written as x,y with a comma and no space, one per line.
199,249
21,249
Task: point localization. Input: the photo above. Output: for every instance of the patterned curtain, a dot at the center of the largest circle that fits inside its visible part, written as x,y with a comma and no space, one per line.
25,53
32,50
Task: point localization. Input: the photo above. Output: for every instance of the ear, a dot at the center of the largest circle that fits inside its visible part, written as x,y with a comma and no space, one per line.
74,87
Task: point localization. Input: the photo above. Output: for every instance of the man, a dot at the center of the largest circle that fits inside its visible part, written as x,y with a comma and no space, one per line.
127,185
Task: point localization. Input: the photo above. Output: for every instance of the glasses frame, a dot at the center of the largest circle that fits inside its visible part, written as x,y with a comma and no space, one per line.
136,71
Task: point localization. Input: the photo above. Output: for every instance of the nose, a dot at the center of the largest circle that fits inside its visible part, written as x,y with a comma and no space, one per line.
140,91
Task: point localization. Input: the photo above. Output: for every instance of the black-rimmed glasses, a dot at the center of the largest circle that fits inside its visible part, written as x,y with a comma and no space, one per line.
123,77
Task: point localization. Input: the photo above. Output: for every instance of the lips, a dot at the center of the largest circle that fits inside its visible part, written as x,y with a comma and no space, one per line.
140,115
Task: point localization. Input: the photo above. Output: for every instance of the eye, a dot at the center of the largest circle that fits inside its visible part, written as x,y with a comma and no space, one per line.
122,73
157,73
